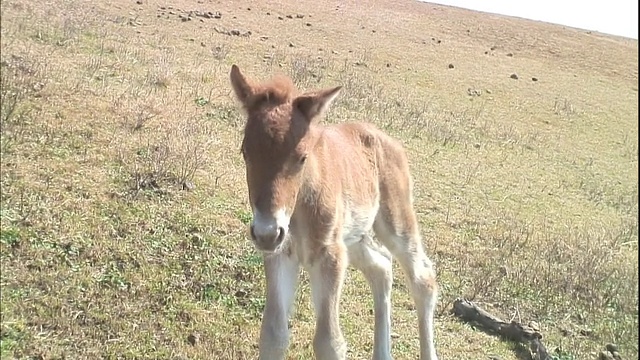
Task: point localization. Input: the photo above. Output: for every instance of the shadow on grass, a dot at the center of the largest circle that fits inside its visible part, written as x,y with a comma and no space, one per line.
521,351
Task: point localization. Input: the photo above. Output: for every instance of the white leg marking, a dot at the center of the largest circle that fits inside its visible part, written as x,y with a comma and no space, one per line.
375,263
282,278
421,279
326,276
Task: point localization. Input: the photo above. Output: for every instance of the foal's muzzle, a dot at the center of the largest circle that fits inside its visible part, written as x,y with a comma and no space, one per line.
268,241
269,229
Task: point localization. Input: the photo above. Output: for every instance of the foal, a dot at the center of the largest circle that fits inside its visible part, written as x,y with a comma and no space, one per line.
316,192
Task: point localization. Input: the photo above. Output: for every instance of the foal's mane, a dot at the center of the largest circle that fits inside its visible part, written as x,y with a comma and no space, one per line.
276,91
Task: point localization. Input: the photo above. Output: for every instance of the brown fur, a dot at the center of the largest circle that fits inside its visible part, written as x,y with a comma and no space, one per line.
278,90
316,191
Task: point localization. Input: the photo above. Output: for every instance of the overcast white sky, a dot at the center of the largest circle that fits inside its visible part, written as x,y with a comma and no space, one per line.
617,17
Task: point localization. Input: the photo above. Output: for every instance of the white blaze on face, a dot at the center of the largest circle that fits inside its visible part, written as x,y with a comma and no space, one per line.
266,225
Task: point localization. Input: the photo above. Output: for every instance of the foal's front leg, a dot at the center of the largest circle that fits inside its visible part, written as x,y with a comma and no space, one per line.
326,274
282,277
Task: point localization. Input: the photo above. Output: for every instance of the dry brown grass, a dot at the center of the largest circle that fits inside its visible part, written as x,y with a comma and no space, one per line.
123,205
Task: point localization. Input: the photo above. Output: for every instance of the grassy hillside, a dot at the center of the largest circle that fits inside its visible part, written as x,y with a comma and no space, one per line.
124,207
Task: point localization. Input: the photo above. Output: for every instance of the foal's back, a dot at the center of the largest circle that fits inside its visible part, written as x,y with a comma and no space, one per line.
372,170
365,154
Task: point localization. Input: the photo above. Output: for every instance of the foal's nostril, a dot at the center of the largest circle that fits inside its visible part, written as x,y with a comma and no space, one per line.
267,239
280,234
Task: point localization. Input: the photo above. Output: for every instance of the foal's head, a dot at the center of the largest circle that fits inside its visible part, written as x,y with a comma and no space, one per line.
276,145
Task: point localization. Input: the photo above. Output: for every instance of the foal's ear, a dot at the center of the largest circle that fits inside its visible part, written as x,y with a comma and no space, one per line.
315,104
241,85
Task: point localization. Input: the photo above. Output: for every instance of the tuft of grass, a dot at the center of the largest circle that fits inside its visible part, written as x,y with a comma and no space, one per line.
564,108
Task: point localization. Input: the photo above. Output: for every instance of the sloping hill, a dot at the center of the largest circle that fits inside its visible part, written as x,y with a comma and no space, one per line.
124,207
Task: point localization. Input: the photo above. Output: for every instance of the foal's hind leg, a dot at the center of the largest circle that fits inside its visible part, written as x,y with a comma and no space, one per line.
375,263
397,228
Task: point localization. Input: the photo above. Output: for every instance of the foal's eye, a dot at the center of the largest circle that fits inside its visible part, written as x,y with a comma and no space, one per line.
303,159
